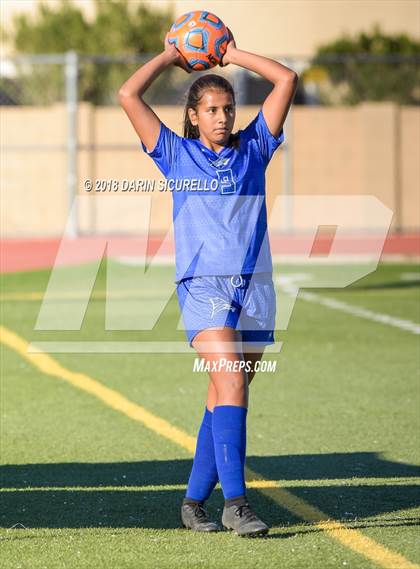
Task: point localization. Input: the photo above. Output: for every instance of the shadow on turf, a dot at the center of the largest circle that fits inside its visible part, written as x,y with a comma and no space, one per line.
71,507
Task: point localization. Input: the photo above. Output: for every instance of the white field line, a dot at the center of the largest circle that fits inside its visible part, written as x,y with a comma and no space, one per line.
289,284
292,259
410,276
341,306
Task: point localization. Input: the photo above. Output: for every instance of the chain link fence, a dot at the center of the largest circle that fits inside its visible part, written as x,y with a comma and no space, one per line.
324,80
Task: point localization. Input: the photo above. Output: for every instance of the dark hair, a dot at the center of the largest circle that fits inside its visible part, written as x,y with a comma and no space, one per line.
196,91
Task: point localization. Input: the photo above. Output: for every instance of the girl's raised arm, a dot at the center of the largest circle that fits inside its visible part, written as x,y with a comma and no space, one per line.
144,120
277,104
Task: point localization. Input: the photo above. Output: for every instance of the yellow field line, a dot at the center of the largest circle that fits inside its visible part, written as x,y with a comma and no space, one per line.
351,538
110,397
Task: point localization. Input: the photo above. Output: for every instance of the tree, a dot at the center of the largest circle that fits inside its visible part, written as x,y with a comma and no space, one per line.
368,67
119,28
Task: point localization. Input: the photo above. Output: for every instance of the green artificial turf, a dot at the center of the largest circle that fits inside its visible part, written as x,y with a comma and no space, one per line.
336,425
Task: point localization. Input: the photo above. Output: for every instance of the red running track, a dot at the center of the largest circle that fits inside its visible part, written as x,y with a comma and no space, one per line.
25,254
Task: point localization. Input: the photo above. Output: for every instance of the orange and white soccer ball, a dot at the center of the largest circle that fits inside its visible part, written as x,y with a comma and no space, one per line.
201,37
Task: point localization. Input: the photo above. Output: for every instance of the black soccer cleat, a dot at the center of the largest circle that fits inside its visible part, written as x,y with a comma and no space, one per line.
195,517
243,521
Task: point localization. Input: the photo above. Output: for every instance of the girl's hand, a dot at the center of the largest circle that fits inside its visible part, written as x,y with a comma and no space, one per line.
230,46
175,56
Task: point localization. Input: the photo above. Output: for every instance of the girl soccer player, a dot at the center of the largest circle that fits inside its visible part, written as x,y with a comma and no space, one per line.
223,260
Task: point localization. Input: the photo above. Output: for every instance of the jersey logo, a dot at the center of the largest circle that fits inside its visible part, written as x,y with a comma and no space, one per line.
220,162
226,181
219,304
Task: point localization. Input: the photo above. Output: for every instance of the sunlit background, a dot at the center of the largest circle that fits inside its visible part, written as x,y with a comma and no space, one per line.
354,128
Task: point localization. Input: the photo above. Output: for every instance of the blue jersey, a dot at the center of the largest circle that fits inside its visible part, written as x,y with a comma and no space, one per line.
219,207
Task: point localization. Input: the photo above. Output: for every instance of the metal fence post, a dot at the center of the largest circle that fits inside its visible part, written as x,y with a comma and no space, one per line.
240,79
71,76
287,209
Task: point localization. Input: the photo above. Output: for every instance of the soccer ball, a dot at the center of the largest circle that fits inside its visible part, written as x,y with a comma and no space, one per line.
201,37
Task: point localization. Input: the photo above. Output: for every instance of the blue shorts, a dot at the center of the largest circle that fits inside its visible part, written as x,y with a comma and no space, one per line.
244,302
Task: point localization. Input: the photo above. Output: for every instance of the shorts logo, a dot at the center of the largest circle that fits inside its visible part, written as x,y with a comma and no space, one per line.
219,304
236,280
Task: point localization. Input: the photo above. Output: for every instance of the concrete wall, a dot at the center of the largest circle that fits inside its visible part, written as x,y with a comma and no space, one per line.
370,149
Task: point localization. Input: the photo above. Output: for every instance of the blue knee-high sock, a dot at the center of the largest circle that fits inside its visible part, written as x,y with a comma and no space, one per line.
229,435
203,477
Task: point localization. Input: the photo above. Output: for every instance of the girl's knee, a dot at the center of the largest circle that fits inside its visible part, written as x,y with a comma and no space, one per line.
233,384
